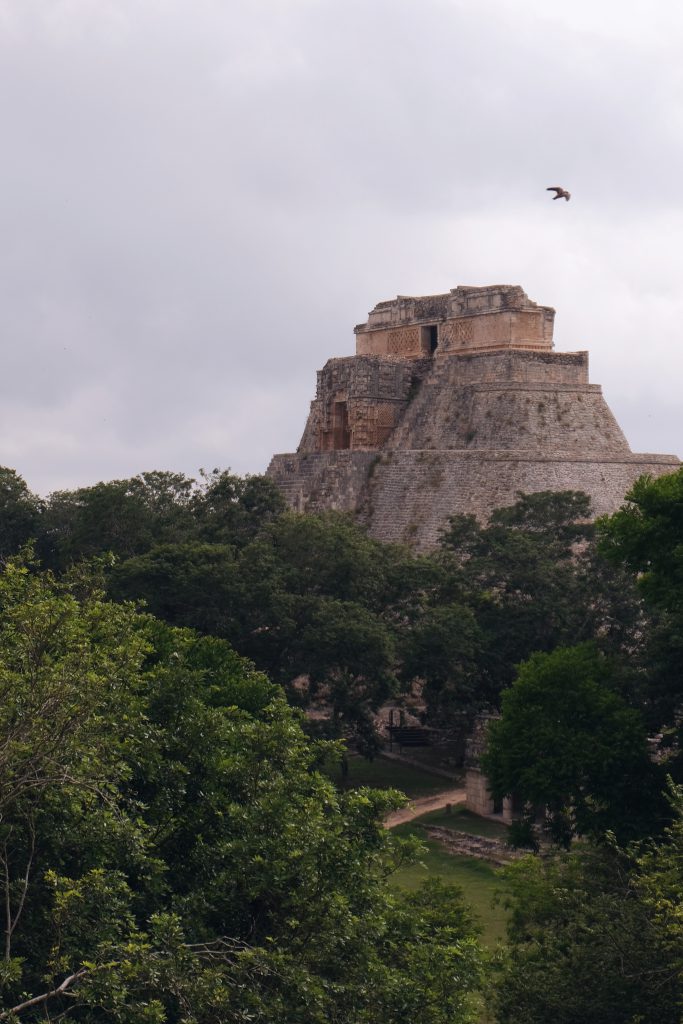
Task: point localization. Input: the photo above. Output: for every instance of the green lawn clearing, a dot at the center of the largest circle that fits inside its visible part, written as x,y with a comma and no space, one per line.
478,879
383,773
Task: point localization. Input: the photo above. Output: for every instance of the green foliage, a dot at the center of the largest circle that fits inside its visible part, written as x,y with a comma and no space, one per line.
124,517
646,535
561,517
130,517
230,509
597,935
314,597
66,673
567,742
20,512
442,648
426,941
169,850
328,556
305,598
190,584
535,582
349,652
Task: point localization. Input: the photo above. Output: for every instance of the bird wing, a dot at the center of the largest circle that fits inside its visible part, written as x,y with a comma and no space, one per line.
556,188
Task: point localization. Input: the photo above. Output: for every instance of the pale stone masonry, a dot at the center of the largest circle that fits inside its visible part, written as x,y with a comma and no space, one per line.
477,794
454,403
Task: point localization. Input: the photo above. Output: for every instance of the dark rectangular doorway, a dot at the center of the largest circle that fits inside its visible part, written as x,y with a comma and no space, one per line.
340,424
429,339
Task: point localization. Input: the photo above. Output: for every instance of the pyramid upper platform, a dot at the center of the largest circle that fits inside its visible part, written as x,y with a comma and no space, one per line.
466,319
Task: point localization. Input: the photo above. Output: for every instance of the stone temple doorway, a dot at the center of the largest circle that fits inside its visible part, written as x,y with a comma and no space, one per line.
430,338
341,433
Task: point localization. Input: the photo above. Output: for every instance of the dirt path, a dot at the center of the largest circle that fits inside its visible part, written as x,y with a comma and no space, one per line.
423,805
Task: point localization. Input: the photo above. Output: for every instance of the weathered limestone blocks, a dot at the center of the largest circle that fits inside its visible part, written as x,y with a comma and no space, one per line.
464,844
412,494
479,799
407,497
316,482
511,400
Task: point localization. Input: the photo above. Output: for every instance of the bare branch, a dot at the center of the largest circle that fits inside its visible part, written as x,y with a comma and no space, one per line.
60,990
4,860
12,923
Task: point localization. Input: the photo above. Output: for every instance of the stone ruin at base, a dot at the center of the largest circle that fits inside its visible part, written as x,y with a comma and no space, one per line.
453,404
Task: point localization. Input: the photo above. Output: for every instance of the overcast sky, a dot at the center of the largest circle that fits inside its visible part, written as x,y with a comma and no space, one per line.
200,198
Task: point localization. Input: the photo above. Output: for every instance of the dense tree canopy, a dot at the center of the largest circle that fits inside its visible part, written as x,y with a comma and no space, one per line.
314,597
536,582
169,849
124,517
646,538
20,512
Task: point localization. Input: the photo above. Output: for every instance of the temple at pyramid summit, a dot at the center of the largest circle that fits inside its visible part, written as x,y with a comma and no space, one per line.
455,403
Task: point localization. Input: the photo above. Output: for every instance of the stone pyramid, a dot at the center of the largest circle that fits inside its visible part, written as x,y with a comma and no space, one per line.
454,403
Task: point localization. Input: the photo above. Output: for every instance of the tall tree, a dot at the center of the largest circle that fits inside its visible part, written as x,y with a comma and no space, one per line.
20,512
229,509
645,537
567,742
442,647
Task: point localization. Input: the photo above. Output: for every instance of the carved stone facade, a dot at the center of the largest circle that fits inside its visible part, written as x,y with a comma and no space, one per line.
464,320
359,402
455,403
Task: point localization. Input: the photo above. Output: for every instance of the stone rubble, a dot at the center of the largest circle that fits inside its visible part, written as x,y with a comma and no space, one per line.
495,851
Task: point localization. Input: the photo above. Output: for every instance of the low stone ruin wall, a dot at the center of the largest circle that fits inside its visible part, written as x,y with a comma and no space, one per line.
495,851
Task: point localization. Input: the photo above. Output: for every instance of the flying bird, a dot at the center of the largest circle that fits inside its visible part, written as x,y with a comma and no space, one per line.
561,192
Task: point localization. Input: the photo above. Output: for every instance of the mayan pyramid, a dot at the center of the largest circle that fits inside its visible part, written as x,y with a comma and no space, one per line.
453,404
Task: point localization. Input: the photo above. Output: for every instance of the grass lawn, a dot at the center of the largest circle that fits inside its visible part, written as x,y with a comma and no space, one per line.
478,879
383,773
